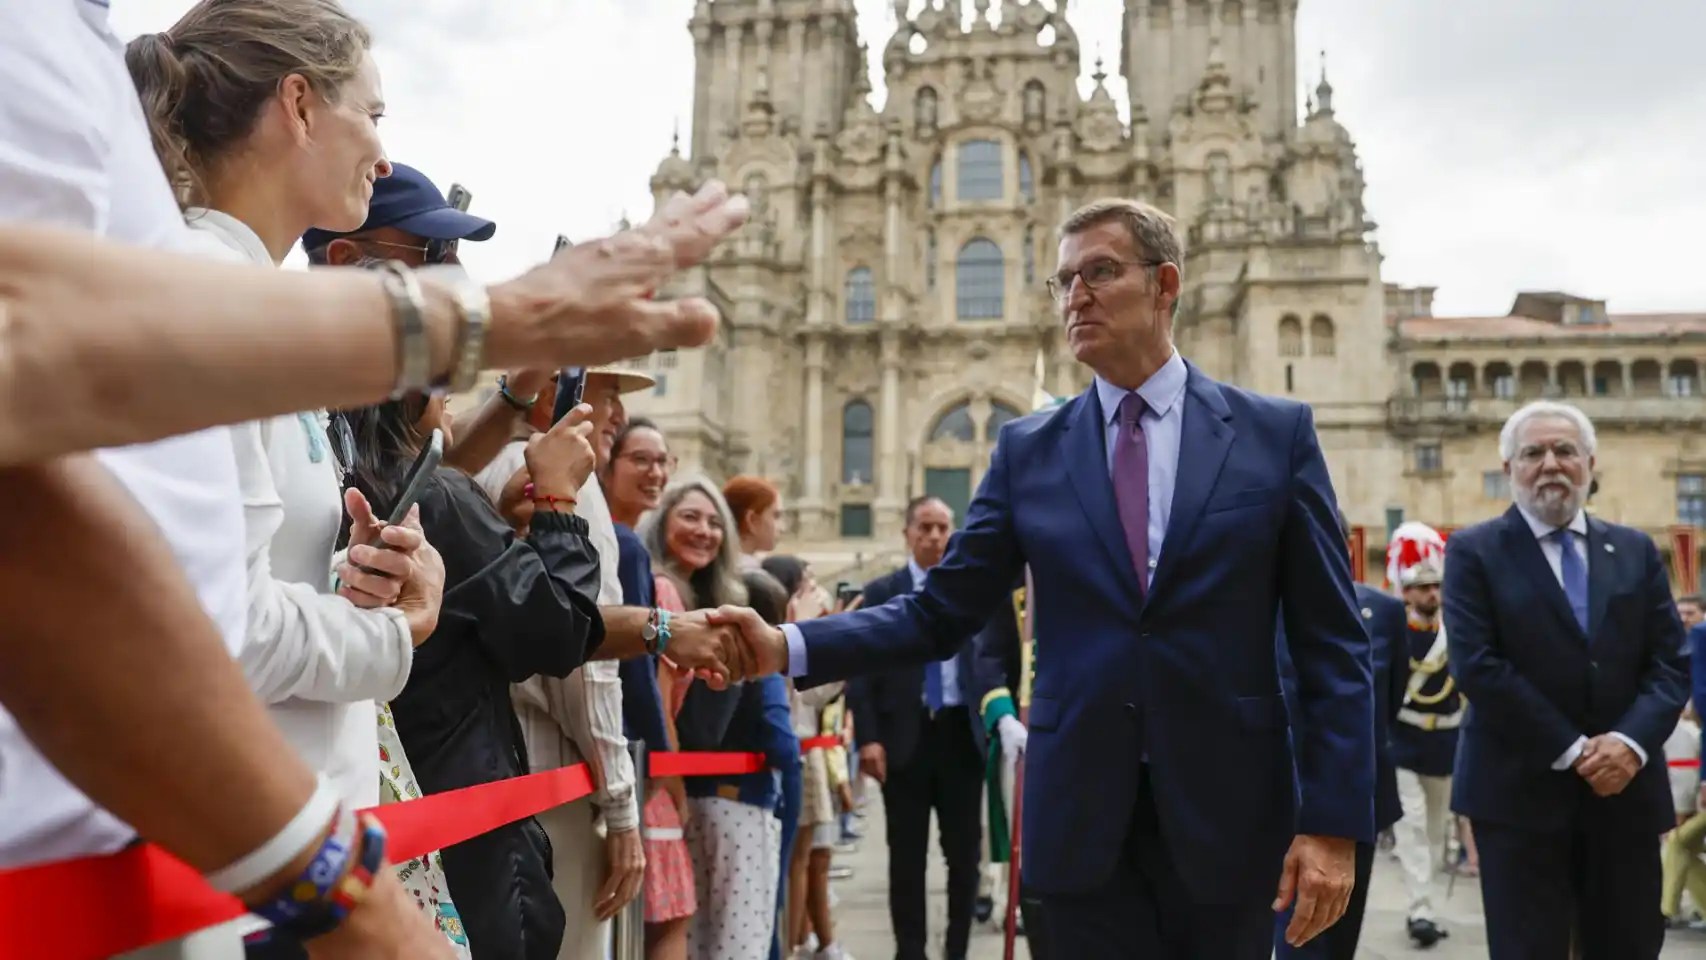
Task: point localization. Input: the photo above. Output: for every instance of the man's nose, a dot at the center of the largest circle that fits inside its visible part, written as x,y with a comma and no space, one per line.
382,169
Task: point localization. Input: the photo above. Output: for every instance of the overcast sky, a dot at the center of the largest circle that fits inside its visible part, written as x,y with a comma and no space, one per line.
1507,144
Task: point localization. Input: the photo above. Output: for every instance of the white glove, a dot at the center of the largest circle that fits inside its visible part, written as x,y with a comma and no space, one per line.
1013,737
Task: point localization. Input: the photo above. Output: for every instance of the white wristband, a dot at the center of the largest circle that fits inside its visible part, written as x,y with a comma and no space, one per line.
274,855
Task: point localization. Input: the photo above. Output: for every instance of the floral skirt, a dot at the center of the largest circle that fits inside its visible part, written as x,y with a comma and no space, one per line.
669,869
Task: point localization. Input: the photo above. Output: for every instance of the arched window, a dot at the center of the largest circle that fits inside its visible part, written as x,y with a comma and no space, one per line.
930,259
1321,336
1027,185
924,111
856,443
861,296
980,170
1000,415
936,185
1425,378
1684,378
1030,254
1290,336
956,424
979,281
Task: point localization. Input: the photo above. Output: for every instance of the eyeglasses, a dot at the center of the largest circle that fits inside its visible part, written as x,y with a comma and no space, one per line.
435,251
1096,274
643,462
1564,452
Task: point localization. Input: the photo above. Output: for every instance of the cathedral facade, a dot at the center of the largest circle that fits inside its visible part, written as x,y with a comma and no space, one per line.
885,310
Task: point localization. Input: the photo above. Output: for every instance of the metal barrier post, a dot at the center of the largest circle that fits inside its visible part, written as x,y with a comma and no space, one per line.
628,941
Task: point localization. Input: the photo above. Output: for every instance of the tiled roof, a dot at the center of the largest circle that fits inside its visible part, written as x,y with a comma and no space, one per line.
1517,328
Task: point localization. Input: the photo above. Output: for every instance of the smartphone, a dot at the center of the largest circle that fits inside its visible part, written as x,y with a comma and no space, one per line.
427,461
459,197
571,386
845,592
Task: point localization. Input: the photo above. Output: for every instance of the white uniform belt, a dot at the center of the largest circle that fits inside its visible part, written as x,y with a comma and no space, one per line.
1431,721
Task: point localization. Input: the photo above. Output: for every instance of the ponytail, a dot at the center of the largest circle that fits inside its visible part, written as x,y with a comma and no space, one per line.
161,82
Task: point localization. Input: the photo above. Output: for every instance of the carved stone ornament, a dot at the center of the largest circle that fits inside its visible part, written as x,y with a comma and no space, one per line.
980,101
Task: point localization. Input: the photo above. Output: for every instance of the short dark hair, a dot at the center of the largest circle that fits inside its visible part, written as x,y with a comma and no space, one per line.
1693,598
916,502
634,423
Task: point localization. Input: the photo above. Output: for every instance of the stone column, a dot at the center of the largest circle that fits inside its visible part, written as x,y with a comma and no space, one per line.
814,520
701,87
796,90
1628,378
734,101
889,465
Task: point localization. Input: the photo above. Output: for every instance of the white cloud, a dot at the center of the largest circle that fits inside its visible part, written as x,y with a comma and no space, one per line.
1518,145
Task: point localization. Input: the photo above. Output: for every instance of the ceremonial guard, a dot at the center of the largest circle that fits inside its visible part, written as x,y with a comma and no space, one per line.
1424,740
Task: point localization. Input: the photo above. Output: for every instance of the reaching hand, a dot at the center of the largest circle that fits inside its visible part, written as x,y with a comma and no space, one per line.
710,651
763,649
592,303
1608,764
403,571
560,459
1320,872
385,926
624,871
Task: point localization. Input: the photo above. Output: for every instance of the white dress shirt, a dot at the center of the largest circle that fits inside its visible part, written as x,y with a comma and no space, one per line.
75,153
319,661
1163,431
951,694
1555,559
567,720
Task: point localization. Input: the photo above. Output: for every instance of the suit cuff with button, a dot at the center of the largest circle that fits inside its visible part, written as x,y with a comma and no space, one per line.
796,650
1570,756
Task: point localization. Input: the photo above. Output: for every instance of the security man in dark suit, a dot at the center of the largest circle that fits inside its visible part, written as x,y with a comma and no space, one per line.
1384,617
921,738
1563,635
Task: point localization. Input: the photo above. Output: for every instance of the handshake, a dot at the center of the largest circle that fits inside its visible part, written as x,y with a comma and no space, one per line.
726,645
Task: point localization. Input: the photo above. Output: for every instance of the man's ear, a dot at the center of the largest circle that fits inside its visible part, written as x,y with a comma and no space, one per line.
1167,282
342,252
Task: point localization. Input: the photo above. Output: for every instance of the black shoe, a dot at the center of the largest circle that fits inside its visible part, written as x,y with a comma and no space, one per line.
1426,933
984,910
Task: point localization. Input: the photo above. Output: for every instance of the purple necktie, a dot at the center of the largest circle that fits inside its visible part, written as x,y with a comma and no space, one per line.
1131,484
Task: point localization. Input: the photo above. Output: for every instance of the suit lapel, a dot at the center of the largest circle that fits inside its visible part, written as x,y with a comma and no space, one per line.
1601,575
1087,465
1522,547
1205,438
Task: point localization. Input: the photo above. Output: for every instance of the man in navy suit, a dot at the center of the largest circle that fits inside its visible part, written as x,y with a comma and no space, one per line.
1383,616
919,736
1562,634
1169,522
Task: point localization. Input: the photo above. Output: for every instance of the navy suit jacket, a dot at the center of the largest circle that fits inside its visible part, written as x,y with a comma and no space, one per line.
1535,682
1384,616
887,707
1187,674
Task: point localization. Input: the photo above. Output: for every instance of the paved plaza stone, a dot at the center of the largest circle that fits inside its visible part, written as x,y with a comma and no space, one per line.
863,920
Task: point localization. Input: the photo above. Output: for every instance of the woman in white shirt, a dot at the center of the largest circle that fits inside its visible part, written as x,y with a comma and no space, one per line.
265,116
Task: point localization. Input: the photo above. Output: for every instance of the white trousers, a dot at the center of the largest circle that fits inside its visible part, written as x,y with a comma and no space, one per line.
1420,836
737,854
577,871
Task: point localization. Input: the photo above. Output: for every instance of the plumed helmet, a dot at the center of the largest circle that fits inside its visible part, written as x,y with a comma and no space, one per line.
1415,556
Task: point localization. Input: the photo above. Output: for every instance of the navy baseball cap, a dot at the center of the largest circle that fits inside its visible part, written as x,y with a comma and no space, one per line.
408,201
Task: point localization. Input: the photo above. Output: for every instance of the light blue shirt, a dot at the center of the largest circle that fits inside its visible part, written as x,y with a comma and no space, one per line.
951,696
1163,427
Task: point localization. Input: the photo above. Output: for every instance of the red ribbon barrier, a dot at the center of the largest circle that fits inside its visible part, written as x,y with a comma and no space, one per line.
1683,763
95,907
825,742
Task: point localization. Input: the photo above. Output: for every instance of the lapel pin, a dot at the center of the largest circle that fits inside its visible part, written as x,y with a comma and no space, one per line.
1367,614
1610,549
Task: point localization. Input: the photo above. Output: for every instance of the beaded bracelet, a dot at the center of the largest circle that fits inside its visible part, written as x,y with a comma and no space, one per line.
334,884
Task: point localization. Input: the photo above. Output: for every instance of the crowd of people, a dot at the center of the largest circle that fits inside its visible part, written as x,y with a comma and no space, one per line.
293,625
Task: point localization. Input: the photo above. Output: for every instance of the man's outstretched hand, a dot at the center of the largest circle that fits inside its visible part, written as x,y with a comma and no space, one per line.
760,650
1320,873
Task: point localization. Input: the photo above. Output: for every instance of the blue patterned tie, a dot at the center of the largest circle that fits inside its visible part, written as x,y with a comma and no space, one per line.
1575,574
933,686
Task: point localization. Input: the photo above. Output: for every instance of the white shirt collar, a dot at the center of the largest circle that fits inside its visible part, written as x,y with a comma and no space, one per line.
917,572
233,232
1163,389
1542,529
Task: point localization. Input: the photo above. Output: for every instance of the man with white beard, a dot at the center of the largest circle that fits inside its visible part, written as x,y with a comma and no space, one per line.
1563,636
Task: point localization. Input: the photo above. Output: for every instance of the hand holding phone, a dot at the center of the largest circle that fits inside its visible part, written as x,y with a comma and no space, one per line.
560,459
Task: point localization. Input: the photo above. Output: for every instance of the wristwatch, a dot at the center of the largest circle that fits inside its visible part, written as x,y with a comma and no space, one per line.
656,631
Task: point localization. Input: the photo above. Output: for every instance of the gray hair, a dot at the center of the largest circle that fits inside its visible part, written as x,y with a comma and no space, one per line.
1545,408
720,582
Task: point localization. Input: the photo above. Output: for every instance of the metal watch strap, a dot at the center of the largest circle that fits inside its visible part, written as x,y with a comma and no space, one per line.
408,315
475,306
